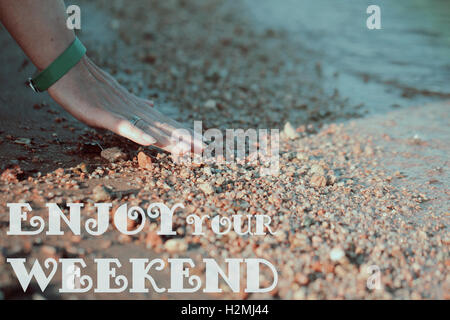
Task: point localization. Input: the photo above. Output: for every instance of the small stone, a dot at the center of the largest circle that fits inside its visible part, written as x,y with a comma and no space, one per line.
301,279
37,296
336,254
75,239
123,238
206,188
368,151
317,169
210,104
318,181
48,251
290,132
153,240
301,156
101,193
175,245
10,175
331,180
220,181
299,295
23,141
70,252
422,235
114,154
144,161
184,173
104,244
357,149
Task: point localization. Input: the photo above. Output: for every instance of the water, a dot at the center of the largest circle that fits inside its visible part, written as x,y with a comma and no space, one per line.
406,62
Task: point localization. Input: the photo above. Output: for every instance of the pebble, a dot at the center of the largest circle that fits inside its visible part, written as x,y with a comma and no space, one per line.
357,149
144,161
317,169
104,244
422,235
114,154
206,188
23,141
101,193
290,132
153,240
368,151
301,156
184,173
123,238
299,295
10,175
210,104
336,254
318,181
48,251
175,245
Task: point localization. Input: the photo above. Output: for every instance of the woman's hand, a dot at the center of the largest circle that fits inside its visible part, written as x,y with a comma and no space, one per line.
97,99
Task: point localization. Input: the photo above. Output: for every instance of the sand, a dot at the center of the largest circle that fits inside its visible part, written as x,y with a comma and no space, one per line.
352,192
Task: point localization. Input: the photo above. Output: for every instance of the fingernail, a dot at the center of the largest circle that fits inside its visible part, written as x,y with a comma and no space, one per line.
148,139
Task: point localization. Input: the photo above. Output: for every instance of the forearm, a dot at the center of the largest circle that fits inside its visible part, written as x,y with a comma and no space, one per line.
39,27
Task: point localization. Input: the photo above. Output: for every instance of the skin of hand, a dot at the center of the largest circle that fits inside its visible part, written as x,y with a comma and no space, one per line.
97,99
87,92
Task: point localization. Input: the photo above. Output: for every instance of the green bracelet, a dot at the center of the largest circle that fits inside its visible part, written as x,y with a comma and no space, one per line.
58,68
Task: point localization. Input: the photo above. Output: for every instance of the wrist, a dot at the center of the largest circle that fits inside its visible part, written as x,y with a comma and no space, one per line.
62,65
78,74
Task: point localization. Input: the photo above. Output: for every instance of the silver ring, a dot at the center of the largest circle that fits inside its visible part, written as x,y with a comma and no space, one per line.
135,120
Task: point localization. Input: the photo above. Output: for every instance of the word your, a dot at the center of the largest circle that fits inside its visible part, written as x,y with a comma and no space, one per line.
74,20
219,224
107,274
249,146
374,21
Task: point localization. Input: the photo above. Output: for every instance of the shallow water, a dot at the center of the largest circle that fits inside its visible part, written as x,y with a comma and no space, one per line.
409,56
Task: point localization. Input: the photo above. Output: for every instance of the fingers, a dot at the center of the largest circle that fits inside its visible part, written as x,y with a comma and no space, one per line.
127,130
165,141
166,130
123,128
153,129
174,139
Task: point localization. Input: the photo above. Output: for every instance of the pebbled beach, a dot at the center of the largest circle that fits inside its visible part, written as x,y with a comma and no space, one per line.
358,186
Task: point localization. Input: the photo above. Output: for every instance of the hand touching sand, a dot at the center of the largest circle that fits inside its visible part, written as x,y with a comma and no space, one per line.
94,97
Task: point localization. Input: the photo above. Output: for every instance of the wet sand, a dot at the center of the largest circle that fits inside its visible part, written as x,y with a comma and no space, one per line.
350,194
